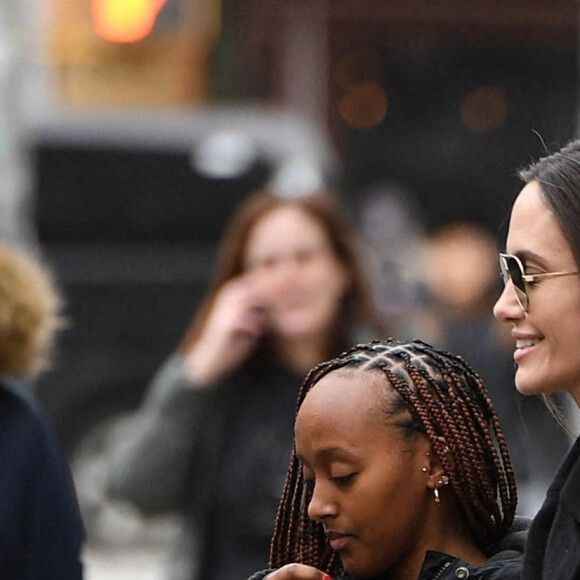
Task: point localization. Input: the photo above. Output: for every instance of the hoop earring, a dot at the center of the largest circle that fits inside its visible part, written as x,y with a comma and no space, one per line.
443,481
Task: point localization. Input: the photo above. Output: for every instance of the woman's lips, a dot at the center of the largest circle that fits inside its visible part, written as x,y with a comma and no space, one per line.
524,347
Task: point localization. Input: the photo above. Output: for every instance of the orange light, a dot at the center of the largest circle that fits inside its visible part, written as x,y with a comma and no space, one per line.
484,108
125,20
364,105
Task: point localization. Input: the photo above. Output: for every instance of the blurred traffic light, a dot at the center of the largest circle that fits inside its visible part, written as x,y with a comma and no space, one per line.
132,53
125,20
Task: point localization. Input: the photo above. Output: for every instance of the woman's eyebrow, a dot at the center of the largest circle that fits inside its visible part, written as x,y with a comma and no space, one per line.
529,255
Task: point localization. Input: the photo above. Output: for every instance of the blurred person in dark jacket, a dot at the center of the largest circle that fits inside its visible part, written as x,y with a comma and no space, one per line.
40,525
214,434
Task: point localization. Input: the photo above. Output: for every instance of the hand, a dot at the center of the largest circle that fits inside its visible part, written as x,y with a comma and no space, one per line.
297,572
236,322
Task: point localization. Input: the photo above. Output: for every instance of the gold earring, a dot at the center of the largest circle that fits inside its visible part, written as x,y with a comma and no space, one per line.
443,481
437,498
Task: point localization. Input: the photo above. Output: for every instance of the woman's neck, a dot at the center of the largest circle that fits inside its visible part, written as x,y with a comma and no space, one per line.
301,354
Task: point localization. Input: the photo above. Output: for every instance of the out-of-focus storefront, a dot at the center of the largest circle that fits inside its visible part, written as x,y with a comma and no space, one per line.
444,97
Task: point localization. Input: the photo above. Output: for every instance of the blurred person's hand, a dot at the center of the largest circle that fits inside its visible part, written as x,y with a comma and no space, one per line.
236,322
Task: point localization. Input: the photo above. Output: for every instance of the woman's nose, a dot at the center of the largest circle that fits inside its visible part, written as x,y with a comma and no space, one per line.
321,505
288,274
507,306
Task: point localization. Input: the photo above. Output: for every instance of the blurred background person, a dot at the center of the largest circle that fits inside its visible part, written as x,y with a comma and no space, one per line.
40,526
391,220
29,317
213,436
461,282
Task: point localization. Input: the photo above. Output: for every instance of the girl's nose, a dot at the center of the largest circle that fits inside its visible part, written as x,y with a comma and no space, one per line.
321,505
507,306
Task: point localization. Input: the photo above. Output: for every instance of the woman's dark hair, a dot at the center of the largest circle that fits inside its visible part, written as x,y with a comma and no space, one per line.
558,176
324,207
449,404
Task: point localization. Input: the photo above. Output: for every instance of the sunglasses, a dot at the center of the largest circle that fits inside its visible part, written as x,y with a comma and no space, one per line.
512,269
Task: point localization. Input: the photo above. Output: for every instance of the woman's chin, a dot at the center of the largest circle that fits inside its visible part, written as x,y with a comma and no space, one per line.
526,385
297,328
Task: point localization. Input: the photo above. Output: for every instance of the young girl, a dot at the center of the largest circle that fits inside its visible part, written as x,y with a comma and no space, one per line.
541,301
400,471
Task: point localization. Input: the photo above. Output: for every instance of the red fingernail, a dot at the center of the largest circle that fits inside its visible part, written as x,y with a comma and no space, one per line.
327,577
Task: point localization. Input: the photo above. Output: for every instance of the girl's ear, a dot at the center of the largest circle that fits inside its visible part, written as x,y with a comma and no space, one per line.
437,474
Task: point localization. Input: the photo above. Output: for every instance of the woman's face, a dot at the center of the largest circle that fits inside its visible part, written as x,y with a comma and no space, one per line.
306,281
369,489
547,337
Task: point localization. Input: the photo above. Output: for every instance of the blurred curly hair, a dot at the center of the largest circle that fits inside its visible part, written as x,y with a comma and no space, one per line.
30,307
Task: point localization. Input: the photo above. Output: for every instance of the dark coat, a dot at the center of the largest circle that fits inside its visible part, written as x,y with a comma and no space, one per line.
216,455
40,525
553,549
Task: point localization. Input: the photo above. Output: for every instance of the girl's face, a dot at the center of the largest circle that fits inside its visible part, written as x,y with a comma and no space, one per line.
291,252
547,337
369,489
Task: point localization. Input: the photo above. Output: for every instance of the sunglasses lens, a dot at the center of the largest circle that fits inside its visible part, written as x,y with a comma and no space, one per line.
512,269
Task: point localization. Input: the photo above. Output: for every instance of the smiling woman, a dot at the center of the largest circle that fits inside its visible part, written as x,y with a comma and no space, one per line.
541,301
400,470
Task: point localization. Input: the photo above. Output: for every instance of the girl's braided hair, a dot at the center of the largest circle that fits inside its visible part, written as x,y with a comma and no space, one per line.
449,404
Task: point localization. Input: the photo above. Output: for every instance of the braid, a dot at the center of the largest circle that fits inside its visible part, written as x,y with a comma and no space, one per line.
448,402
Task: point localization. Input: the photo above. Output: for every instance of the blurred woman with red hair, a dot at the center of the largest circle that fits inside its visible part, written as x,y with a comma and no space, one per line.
214,434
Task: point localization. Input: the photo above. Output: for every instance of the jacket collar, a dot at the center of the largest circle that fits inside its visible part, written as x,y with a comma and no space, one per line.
569,478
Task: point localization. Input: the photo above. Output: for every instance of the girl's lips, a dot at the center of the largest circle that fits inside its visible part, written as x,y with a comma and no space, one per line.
338,543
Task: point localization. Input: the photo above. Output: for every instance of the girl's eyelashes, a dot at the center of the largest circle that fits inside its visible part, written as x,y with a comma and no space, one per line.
309,481
341,475
343,479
